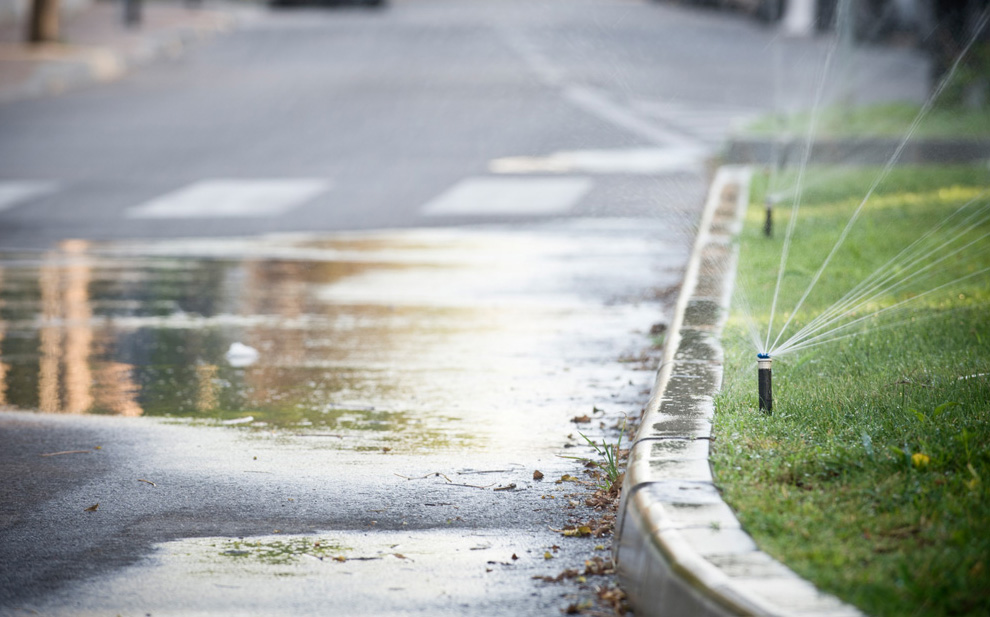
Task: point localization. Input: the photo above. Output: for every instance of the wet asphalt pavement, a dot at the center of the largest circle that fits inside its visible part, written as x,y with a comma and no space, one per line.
387,395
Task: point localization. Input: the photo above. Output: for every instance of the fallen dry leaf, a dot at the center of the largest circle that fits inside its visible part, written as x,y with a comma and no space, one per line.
92,508
614,597
592,567
575,609
585,419
568,573
537,475
596,566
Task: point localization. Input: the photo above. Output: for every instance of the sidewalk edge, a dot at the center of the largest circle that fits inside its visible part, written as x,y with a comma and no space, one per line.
680,550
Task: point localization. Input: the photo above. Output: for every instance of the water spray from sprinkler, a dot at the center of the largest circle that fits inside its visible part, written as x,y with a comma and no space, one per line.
765,382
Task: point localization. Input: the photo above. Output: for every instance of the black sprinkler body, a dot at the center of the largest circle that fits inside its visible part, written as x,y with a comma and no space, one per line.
765,381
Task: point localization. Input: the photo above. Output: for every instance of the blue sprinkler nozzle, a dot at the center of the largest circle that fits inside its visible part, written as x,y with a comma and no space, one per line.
765,381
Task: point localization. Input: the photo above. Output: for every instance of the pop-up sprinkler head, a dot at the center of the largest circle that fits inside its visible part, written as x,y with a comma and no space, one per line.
763,362
768,222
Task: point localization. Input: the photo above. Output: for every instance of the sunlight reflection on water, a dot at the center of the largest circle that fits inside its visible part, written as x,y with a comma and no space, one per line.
399,340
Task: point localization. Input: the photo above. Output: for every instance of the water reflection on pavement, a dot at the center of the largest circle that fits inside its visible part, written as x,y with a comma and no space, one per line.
322,378
412,340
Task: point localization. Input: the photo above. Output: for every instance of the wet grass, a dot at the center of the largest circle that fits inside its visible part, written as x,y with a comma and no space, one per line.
872,477
607,468
891,120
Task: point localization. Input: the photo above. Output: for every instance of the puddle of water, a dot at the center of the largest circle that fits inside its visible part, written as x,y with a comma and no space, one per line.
428,572
399,340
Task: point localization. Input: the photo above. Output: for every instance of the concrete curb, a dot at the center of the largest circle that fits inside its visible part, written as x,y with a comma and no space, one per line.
680,549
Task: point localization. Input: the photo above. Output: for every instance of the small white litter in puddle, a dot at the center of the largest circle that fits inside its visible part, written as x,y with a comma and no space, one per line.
240,355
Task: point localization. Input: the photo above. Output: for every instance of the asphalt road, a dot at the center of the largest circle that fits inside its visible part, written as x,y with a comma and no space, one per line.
379,113
541,164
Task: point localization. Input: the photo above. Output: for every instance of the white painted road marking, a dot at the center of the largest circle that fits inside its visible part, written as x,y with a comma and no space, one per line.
229,198
711,122
13,192
599,104
509,196
624,161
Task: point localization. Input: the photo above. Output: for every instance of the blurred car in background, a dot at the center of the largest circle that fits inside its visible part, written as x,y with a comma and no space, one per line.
872,20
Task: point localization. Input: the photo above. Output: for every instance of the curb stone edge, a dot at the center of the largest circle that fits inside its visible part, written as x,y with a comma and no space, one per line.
680,549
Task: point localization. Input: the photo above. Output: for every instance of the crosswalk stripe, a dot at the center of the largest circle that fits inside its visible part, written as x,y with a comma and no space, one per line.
231,198
14,192
509,196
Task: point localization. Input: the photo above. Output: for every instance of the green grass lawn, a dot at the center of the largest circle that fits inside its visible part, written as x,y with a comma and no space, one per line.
883,120
872,476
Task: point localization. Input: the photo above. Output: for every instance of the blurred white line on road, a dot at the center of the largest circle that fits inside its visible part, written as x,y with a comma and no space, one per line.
13,192
231,198
509,196
597,103
624,161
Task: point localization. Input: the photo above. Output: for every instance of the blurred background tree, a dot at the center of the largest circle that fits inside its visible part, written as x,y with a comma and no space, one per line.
955,24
